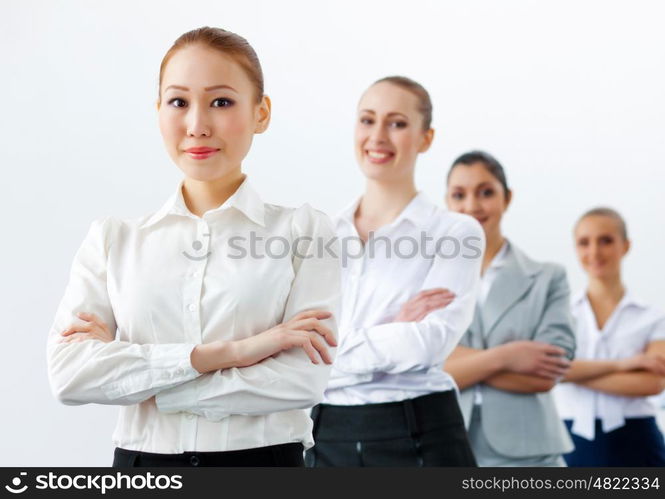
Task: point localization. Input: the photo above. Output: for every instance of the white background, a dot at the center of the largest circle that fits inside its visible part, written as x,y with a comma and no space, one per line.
568,95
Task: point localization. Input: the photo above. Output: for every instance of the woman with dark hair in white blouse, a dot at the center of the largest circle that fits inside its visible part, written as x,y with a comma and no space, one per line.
213,348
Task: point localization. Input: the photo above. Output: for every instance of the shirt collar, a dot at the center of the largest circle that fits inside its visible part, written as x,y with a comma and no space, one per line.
245,199
628,300
499,259
418,210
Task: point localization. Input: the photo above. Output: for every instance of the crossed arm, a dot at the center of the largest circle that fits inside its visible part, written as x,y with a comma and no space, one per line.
271,371
639,376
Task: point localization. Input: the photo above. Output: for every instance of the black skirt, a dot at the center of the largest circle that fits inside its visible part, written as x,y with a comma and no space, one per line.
424,431
290,454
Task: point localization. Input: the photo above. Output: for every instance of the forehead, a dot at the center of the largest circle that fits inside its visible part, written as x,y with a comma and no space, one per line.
200,66
471,176
384,98
596,225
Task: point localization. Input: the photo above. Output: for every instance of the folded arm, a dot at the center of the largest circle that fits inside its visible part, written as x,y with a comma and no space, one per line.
116,372
288,380
398,347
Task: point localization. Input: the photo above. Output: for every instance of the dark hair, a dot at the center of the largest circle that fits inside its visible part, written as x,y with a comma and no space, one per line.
488,161
424,101
603,211
227,43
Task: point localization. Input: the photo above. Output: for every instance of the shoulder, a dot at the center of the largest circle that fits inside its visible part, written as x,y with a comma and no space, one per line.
445,222
545,270
304,220
109,230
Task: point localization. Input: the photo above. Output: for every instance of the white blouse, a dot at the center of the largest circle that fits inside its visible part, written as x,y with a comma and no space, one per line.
167,282
379,360
627,332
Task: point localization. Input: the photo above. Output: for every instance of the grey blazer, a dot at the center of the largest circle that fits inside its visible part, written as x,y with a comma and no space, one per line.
528,301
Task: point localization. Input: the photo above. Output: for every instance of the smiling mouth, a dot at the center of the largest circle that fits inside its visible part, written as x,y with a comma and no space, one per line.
379,157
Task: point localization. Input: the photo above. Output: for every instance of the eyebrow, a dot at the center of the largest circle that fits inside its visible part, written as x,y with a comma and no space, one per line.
207,89
389,114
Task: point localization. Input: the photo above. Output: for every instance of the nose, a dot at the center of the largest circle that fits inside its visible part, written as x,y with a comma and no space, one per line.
198,124
378,134
594,250
471,205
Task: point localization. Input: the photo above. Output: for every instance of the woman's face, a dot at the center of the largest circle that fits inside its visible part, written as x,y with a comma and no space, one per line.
473,190
389,133
208,112
600,246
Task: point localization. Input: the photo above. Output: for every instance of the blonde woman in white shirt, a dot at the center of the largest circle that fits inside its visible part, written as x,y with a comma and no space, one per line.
213,347
388,402
619,364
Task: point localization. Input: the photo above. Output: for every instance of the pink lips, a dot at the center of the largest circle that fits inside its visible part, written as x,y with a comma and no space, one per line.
201,152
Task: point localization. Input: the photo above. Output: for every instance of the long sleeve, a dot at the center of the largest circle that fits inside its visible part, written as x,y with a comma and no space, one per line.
399,347
288,380
556,324
92,371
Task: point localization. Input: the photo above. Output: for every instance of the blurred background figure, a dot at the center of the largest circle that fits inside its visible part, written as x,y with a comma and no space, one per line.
521,338
607,401
388,402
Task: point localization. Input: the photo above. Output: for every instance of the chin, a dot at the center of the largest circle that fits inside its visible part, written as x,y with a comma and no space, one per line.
203,173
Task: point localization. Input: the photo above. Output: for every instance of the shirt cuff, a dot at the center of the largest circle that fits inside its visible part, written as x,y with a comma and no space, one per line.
179,398
168,365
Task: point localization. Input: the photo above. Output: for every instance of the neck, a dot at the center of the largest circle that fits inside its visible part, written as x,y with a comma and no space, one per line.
382,202
201,196
493,246
606,289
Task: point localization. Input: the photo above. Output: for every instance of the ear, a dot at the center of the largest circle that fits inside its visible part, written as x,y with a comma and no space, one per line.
626,248
263,115
427,140
509,198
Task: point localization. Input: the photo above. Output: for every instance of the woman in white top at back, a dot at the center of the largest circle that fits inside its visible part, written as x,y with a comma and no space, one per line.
606,400
211,341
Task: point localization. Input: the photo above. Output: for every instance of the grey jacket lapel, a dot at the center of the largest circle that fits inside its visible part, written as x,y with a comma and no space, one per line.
512,282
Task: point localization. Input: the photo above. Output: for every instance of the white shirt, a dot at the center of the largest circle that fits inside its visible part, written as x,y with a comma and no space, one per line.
173,280
379,360
627,332
486,280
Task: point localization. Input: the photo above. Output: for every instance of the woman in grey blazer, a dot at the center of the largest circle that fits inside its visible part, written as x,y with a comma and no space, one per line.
521,339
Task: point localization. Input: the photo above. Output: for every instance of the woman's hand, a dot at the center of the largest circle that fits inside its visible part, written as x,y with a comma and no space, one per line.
93,328
534,358
651,362
417,308
305,330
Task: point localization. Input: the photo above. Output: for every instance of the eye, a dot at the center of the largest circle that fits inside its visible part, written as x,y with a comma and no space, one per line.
177,102
457,196
366,120
222,102
606,240
399,124
487,193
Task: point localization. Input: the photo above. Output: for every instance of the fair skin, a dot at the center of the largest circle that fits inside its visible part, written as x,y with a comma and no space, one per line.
207,100
389,136
518,366
601,247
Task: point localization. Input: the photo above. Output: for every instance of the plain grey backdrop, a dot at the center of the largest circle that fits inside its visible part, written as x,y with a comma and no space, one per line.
567,94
